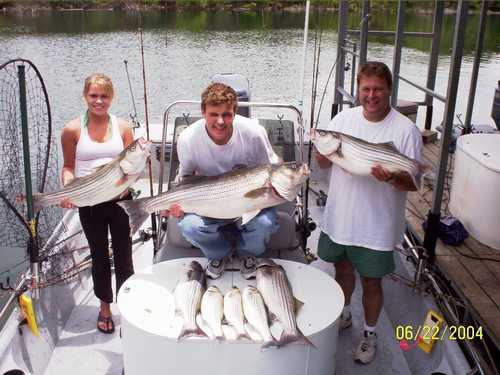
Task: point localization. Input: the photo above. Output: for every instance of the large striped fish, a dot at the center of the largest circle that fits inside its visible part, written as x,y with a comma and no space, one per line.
239,193
105,183
212,310
188,294
256,315
275,289
233,311
357,156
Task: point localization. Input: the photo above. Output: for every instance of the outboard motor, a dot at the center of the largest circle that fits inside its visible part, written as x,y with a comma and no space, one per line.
495,109
240,84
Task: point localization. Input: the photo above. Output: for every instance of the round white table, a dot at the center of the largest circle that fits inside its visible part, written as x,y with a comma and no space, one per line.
150,327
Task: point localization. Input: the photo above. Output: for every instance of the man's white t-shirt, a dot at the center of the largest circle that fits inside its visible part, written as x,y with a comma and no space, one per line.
248,146
360,210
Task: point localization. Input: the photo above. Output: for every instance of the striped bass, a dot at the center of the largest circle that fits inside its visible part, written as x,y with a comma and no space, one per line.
233,311
212,310
256,315
239,193
357,156
275,289
188,294
105,183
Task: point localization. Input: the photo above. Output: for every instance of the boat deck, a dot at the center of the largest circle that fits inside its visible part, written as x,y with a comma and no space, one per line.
477,281
83,350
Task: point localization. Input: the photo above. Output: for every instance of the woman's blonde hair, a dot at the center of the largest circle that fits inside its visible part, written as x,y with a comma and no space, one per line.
99,79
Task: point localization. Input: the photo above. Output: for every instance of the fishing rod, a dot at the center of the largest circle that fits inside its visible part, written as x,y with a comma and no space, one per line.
134,117
153,216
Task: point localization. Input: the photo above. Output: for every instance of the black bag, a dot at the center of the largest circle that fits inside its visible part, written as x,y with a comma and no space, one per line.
450,231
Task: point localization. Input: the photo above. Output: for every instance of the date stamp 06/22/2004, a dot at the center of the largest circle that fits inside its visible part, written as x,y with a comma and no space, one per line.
426,332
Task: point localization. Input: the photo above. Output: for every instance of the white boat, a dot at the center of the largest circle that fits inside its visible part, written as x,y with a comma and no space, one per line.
65,339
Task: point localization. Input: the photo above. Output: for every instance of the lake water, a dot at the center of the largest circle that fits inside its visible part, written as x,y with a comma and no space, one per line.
184,50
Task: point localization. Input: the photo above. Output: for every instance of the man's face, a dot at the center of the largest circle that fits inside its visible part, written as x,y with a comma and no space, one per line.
374,96
219,122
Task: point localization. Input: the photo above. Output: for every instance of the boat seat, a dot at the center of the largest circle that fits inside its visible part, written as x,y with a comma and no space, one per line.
282,244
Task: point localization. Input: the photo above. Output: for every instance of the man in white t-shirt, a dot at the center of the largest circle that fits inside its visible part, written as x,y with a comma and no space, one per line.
364,217
220,142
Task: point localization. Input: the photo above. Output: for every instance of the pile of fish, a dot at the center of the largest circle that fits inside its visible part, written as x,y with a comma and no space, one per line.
209,313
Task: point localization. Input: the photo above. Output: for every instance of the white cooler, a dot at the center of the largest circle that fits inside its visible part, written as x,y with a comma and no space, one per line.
475,188
150,327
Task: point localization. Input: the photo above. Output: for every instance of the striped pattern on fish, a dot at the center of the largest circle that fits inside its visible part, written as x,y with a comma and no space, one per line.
105,183
256,315
358,156
188,294
239,193
233,311
212,310
275,289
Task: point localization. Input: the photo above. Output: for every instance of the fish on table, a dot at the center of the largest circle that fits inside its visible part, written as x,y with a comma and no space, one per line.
233,311
240,193
255,313
358,156
188,294
276,291
212,310
105,183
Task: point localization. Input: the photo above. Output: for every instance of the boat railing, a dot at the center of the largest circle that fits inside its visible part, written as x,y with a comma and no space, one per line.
302,210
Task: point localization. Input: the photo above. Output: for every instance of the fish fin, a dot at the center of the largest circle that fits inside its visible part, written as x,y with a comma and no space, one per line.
390,146
270,345
121,181
190,331
256,193
297,304
290,336
204,327
272,317
94,170
423,169
247,216
75,181
243,335
136,213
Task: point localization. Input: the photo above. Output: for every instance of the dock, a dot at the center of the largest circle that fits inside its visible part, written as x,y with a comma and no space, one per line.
472,269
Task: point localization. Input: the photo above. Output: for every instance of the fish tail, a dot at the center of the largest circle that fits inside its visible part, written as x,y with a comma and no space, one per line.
270,345
243,335
136,212
190,331
418,179
294,336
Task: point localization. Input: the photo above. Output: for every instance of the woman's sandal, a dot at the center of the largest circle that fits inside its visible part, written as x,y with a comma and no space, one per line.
108,321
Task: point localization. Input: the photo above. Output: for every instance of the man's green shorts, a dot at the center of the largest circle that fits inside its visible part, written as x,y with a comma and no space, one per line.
368,262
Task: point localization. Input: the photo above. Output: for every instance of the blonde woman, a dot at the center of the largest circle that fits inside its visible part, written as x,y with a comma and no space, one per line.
88,141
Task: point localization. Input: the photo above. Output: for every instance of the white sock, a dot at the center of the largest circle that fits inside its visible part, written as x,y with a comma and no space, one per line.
346,311
370,330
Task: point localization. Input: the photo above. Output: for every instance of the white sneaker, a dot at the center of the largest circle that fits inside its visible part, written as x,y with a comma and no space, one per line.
365,352
216,268
345,321
248,267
